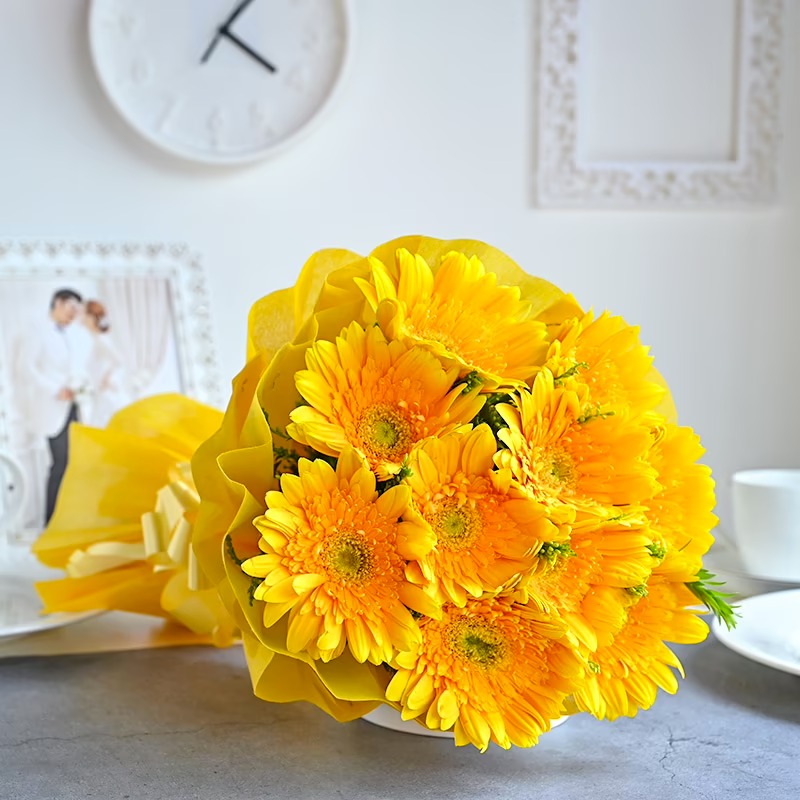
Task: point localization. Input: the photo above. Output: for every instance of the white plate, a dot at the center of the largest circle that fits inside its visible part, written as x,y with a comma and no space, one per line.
20,606
21,610
767,630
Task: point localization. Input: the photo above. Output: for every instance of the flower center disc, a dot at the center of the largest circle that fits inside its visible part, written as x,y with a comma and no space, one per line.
555,472
349,557
456,526
477,642
384,432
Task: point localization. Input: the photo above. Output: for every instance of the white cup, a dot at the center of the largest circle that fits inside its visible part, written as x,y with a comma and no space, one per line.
766,520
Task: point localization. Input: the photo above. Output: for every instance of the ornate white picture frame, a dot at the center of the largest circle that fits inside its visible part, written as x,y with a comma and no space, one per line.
563,179
139,325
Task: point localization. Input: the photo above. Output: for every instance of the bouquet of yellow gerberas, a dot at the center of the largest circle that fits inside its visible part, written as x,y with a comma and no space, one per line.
442,486
439,485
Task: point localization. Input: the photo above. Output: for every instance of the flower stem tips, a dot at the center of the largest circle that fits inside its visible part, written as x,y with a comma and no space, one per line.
551,552
657,550
489,413
396,480
470,381
571,372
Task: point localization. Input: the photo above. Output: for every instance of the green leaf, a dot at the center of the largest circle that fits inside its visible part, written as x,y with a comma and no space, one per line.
285,461
232,552
330,460
251,591
274,429
714,600
254,582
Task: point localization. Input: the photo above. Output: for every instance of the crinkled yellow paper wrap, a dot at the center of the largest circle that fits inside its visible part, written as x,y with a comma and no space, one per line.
122,527
234,470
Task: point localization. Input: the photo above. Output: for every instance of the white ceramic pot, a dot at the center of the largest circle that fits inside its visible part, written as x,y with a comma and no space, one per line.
386,717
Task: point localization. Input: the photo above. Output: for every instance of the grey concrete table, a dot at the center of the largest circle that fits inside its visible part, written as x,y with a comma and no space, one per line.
182,723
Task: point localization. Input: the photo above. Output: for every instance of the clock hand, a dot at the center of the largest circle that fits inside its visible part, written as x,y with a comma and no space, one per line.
235,13
222,29
210,49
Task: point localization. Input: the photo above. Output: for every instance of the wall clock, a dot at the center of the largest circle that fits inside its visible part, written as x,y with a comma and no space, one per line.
220,81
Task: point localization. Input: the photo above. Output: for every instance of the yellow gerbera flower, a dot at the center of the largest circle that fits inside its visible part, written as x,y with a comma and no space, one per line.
494,670
486,528
605,356
234,471
377,396
681,514
584,580
458,312
335,556
547,302
123,522
626,675
563,456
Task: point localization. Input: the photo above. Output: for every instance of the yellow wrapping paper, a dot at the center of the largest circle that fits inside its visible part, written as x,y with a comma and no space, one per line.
123,522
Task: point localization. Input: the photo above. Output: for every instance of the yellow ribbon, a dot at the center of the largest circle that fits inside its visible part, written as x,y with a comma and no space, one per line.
166,534
166,545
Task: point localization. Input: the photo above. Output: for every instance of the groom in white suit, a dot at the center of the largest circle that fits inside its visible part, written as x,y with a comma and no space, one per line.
56,362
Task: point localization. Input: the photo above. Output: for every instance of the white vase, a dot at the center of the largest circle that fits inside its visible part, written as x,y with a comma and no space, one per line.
387,717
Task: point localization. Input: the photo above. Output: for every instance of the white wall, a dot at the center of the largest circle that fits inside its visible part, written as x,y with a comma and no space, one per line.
433,134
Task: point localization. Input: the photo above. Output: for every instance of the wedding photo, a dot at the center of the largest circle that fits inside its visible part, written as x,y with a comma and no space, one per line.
75,348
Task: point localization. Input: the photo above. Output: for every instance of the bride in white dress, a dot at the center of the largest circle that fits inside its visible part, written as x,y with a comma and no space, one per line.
105,367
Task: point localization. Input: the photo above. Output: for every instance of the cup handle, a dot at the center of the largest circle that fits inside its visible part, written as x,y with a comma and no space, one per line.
12,492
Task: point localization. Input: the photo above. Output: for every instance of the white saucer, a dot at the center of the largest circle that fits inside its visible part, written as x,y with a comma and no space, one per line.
727,559
724,561
766,630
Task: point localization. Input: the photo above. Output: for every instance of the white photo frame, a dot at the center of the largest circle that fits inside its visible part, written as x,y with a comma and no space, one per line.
160,339
565,180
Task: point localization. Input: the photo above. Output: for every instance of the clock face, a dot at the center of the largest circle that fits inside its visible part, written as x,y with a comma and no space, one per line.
220,81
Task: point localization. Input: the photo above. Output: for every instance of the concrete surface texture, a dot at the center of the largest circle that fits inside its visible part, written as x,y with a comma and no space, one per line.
182,723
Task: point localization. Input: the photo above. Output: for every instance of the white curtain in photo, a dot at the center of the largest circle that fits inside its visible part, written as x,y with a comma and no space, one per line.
140,314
